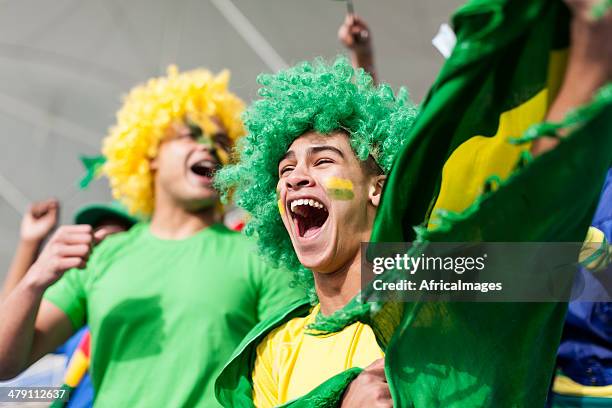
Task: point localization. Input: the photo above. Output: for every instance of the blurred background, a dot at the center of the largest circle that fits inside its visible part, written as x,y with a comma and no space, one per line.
65,64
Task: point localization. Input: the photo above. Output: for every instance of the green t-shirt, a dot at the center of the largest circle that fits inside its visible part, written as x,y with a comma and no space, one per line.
165,315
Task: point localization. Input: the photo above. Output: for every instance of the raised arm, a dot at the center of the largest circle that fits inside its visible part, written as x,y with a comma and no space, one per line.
589,64
36,225
355,35
29,326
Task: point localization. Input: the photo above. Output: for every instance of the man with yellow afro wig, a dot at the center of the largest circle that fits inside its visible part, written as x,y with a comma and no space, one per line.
195,102
173,296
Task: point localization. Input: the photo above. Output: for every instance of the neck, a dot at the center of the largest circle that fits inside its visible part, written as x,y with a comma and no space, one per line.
175,222
336,289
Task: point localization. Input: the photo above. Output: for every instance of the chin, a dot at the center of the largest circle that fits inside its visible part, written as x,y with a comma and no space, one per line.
202,202
316,263
319,254
204,194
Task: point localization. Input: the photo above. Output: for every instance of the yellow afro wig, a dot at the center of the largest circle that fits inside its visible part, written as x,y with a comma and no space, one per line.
143,122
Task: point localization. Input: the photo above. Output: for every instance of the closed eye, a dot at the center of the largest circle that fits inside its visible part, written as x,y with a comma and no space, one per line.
323,161
285,170
194,131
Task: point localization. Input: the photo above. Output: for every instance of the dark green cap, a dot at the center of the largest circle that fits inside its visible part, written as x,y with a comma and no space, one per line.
92,214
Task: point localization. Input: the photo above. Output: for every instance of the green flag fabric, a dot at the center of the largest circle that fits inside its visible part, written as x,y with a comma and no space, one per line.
501,354
504,72
467,176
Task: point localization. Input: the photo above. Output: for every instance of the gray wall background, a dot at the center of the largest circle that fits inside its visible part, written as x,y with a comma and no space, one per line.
65,64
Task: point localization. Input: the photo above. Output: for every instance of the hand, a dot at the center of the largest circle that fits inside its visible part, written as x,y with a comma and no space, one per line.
369,389
68,248
104,231
39,220
355,35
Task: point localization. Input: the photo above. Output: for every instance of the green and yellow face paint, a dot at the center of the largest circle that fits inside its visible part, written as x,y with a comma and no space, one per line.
339,188
281,207
208,134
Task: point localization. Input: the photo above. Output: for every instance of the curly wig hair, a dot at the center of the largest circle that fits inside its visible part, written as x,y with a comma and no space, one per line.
143,122
311,96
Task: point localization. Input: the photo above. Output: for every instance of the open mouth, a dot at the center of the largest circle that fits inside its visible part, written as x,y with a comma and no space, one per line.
309,216
204,168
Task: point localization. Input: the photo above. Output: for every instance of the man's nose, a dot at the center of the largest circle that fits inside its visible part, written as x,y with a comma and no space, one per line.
299,179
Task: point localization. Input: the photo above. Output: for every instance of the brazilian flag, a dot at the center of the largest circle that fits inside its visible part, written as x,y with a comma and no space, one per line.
466,176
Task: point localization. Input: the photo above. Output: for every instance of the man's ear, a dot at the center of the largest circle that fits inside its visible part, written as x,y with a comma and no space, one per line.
376,188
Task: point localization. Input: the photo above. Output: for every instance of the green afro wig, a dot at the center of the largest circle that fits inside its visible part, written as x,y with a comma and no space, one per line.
317,97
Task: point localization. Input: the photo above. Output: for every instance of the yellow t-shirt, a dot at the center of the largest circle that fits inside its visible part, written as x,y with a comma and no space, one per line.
291,363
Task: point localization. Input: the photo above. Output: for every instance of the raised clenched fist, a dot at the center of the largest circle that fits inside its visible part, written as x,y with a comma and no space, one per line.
354,34
69,247
39,220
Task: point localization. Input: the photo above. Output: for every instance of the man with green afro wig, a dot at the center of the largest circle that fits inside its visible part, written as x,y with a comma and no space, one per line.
312,166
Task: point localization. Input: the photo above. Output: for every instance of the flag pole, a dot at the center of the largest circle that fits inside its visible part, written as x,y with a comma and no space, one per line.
350,9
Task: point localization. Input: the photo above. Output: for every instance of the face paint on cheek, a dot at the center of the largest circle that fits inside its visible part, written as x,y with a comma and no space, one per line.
281,209
221,154
339,189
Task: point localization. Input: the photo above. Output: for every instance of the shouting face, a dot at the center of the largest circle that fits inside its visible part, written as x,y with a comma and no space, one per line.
327,199
185,166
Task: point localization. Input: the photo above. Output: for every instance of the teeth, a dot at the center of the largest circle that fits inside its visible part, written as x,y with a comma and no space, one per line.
205,163
310,202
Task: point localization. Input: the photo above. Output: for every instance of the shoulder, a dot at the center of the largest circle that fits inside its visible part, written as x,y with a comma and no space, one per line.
121,238
115,244
223,234
241,251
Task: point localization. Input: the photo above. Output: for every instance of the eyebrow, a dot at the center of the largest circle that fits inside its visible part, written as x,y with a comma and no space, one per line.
289,155
318,149
313,150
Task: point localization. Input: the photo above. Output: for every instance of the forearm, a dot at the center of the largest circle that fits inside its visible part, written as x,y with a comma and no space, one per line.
25,255
17,327
365,59
584,75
